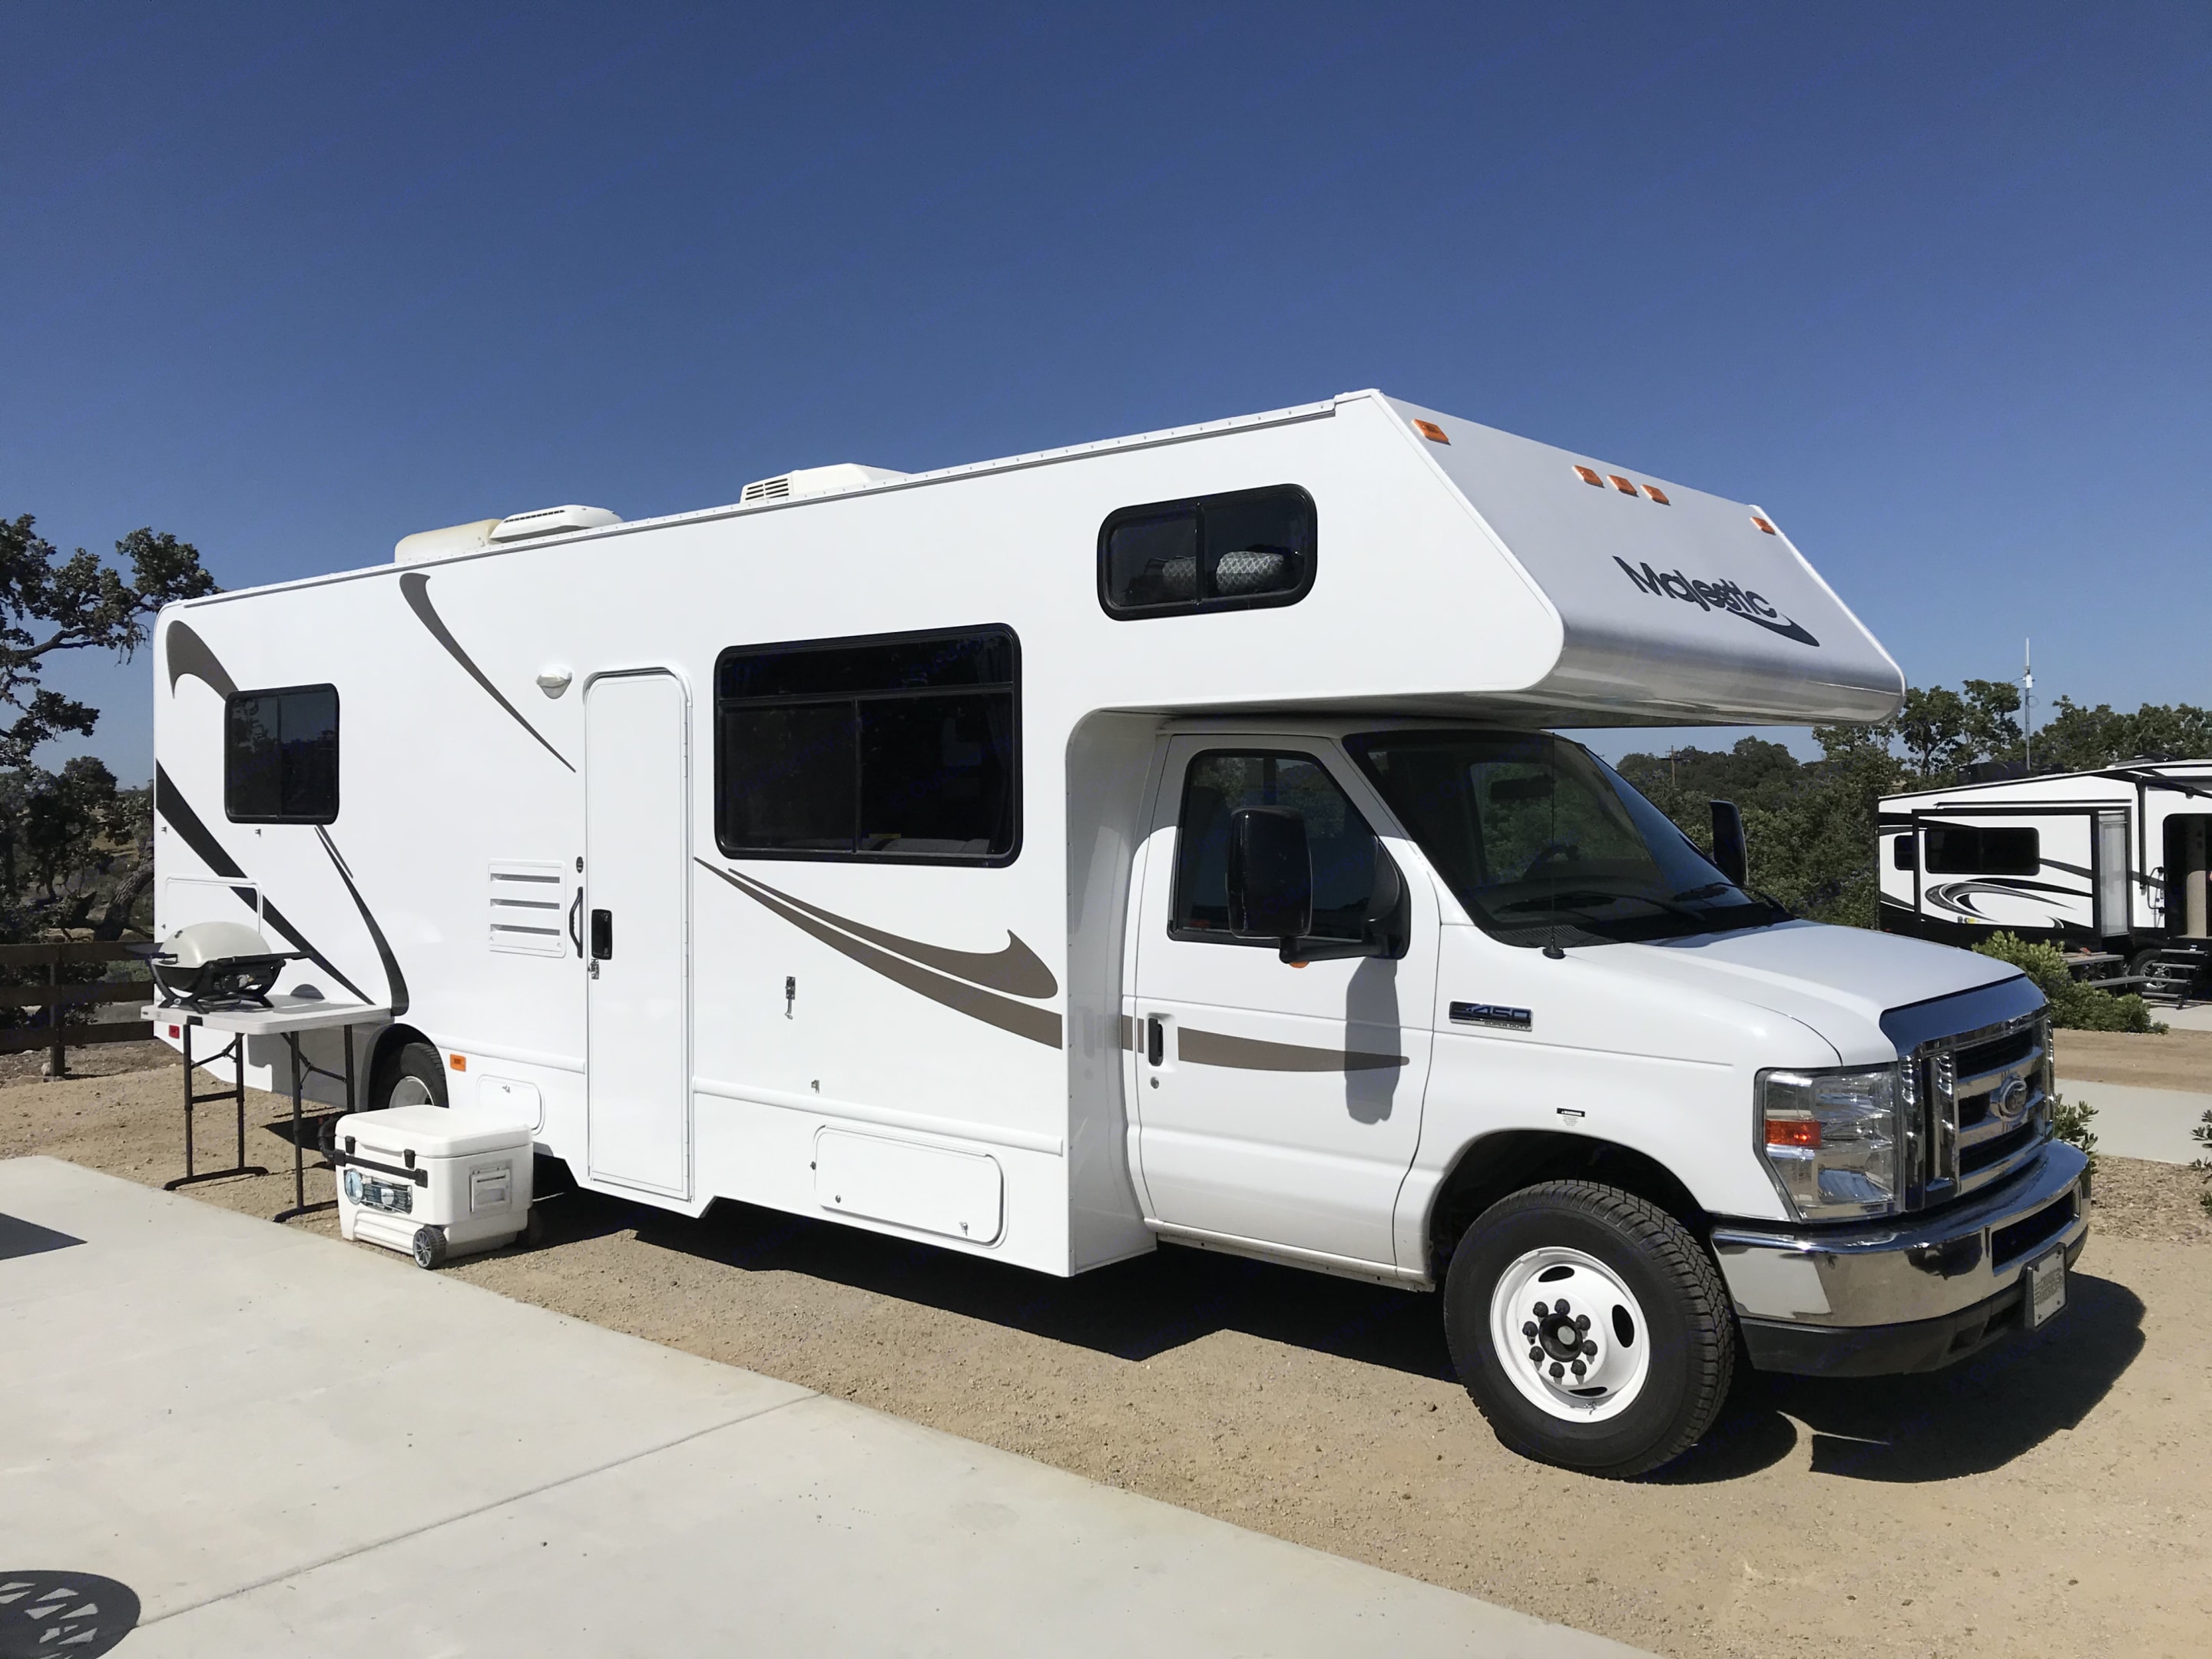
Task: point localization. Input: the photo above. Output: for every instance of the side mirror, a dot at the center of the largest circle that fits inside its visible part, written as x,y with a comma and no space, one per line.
1270,874
1729,855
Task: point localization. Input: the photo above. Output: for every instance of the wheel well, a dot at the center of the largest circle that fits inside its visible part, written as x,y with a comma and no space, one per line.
1496,1165
391,1037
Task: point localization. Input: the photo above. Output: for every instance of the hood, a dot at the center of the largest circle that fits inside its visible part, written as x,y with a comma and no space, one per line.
1839,981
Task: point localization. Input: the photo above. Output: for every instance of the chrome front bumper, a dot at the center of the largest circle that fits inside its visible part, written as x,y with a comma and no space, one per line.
1909,1269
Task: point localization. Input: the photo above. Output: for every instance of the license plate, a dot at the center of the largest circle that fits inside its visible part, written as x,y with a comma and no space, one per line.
2046,1287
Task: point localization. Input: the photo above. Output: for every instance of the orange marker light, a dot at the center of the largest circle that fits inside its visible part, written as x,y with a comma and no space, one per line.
1762,524
1431,431
1587,475
458,1062
1621,483
1793,1131
1657,495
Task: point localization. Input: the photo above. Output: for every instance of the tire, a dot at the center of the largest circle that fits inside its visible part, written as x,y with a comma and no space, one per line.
429,1246
1647,1314
408,1074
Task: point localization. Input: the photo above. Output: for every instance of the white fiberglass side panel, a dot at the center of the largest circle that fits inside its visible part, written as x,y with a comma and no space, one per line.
2008,869
1685,608
637,903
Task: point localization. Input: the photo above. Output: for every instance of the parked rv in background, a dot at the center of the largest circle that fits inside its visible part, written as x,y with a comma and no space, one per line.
2111,863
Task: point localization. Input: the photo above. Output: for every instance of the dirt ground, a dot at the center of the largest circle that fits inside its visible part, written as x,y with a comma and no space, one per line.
2049,1498
2173,1059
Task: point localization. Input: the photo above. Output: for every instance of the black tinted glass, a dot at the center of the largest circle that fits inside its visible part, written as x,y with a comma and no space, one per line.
281,756
1245,547
896,748
1968,850
1341,846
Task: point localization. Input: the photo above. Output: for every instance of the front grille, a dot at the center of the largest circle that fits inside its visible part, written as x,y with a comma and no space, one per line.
1973,1159
2008,1244
1976,1106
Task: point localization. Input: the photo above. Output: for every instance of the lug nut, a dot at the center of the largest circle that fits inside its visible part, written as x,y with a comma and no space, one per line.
1559,1307
1536,1354
1528,1330
1578,1369
1558,1369
1582,1321
1589,1350
1541,1310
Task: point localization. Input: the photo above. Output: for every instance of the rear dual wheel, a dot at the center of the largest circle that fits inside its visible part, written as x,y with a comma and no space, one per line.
1590,1327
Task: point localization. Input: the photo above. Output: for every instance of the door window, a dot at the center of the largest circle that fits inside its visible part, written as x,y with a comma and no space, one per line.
1343,848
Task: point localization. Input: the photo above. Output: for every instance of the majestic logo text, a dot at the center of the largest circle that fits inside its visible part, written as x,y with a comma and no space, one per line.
1714,596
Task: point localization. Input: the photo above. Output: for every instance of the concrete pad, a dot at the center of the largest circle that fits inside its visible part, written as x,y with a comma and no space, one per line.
2138,1123
279,1442
2197,1016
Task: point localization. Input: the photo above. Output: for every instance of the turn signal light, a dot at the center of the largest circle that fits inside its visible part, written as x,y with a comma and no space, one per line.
1621,483
1793,1131
1657,495
1431,431
458,1062
1588,476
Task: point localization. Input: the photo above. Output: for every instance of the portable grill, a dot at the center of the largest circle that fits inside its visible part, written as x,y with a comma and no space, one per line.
213,965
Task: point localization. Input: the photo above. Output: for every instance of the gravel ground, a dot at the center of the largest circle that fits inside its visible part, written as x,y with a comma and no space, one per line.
2172,1060
2049,1498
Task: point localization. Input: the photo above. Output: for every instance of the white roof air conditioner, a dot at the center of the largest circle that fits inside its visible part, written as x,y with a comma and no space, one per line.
816,481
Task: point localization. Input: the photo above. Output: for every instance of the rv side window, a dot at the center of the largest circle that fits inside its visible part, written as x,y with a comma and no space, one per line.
1343,848
1900,854
903,746
1965,850
280,755
1228,552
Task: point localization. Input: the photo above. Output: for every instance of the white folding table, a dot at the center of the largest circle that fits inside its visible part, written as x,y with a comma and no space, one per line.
287,1016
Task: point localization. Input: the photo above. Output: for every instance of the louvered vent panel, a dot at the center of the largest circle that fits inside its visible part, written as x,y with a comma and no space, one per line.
525,910
766,490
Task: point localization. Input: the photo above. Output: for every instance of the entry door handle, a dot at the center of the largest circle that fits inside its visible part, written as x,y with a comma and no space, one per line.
603,935
576,922
1155,1040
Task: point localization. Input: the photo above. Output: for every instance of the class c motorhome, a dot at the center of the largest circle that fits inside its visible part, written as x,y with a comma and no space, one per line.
1160,839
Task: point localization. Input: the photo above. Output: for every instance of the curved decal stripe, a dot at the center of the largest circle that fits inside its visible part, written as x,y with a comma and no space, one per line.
1037,1024
173,806
1250,1054
416,588
1017,969
1958,896
395,981
189,658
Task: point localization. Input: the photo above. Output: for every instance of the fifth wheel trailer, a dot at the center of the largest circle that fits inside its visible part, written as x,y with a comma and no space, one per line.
2113,860
1163,838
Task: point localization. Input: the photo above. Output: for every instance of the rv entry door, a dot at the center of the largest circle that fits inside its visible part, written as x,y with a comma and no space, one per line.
1277,1103
636,901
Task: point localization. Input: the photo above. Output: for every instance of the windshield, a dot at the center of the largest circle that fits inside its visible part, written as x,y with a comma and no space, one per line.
1541,839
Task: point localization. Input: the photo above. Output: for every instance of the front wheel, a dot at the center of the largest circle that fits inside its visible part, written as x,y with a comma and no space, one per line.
1590,1326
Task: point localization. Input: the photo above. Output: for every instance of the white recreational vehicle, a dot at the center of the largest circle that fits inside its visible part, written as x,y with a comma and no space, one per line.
1155,840
2111,863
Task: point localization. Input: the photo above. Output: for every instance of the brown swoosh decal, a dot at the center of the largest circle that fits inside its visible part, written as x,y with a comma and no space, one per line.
415,587
1037,1024
1017,969
190,657
1250,1054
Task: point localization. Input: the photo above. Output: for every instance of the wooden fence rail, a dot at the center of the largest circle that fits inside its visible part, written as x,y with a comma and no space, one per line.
58,997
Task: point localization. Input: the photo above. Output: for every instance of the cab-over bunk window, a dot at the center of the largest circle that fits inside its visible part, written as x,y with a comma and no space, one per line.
280,755
895,747
1228,552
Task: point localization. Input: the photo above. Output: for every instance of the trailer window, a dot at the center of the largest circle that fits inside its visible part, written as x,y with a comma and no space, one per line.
280,755
900,747
1900,854
1227,552
1344,850
1966,849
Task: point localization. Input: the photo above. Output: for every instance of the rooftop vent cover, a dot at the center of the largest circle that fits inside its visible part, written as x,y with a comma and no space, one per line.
815,481
551,521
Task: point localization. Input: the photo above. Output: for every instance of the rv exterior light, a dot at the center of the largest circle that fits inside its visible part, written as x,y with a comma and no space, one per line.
554,681
1588,476
1762,524
1657,495
1621,483
1431,431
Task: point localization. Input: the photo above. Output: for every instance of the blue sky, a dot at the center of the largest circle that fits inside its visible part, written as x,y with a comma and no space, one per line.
1930,282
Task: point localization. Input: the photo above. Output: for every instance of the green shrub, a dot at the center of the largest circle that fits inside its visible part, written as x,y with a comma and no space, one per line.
2070,1123
2203,1135
2074,1007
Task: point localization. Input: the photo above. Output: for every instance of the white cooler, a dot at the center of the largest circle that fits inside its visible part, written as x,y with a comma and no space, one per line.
432,1181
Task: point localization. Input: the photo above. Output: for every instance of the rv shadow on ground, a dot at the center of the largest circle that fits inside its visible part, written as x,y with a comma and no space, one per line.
1133,1309
1977,1416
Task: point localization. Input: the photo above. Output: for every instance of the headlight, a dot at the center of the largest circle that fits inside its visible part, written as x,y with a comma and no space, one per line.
1831,1139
